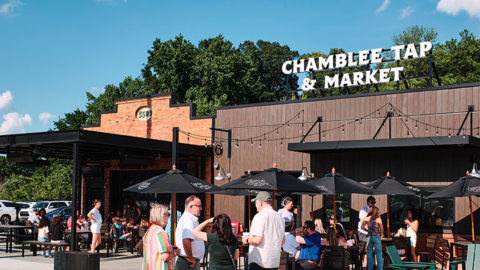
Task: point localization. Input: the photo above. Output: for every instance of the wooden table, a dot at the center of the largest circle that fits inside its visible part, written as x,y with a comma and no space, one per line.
10,238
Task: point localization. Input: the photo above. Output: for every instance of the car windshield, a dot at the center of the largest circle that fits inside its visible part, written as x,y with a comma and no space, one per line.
40,205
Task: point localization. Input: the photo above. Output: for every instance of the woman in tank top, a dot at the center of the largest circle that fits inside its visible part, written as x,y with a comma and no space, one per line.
412,228
375,230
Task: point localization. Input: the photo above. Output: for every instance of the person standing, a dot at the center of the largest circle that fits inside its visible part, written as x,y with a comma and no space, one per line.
223,244
192,247
267,235
287,215
168,228
309,254
158,253
412,228
96,219
33,218
375,230
363,214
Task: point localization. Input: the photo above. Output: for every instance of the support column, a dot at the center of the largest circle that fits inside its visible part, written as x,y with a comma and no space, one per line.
74,241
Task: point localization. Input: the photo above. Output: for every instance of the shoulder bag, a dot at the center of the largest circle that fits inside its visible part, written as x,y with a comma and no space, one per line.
231,257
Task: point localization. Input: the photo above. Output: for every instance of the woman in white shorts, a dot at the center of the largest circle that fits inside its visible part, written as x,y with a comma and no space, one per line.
96,219
412,228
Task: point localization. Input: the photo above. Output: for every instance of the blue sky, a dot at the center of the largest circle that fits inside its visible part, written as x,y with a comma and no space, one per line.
53,52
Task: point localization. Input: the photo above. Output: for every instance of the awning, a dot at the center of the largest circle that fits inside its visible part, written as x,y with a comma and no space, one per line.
400,143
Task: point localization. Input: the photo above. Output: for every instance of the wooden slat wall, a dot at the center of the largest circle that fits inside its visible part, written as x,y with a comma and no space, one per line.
445,108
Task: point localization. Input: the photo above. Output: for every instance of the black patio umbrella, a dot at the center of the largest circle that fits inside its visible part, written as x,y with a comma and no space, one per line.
173,181
272,179
335,183
388,185
466,186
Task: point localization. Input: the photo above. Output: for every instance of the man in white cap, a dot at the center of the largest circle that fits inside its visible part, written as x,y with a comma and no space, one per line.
267,235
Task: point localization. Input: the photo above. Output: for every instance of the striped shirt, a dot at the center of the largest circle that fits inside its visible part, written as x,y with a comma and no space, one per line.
156,242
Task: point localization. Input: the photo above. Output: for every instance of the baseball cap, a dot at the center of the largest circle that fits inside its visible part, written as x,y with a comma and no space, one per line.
263,196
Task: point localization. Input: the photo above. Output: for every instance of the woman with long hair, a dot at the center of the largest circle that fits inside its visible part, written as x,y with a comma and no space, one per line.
375,230
56,233
158,253
223,249
333,239
130,209
44,234
96,219
412,228
319,226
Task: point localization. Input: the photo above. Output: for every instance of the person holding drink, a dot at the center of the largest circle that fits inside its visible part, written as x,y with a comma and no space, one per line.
412,228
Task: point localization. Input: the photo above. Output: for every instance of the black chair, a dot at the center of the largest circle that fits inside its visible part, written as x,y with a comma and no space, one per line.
447,252
204,262
429,248
332,258
403,246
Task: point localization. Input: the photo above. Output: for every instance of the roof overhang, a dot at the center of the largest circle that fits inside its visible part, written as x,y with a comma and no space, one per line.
388,144
92,145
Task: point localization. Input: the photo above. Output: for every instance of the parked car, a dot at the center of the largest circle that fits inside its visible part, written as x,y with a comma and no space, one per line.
67,211
48,205
25,205
8,211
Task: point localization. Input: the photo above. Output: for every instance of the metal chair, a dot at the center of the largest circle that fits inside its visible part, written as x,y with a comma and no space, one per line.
429,247
332,258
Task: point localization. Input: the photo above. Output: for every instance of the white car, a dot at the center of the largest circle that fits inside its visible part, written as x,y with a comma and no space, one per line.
48,205
8,212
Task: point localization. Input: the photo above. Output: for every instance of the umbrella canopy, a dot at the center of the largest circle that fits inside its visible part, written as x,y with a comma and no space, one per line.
466,186
173,181
388,185
336,183
271,179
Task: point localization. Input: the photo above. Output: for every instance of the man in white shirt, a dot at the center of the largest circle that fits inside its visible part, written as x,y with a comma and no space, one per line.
363,214
267,235
291,246
33,218
192,248
285,211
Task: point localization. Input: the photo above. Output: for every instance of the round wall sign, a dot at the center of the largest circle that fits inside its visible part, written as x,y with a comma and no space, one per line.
144,113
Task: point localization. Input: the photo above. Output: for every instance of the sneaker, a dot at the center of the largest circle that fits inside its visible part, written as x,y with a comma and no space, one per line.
49,255
43,254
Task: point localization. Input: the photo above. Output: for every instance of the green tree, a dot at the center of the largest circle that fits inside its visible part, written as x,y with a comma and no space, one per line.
72,121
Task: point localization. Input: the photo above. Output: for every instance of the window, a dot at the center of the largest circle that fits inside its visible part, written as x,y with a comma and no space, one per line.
343,206
434,212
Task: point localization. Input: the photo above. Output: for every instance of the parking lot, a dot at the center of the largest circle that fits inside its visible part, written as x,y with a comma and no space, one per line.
118,261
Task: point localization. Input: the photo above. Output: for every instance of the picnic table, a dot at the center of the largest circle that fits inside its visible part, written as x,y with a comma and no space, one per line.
10,235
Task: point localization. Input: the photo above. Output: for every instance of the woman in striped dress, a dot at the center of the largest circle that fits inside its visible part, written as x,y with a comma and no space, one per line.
158,253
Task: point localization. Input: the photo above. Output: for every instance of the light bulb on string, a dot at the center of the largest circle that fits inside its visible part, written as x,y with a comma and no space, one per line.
449,134
206,143
259,143
281,142
478,132
236,145
464,133
406,120
437,132
323,136
277,132
426,128
188,139
251,142
360,121
416,124
408,133
288,125
264,138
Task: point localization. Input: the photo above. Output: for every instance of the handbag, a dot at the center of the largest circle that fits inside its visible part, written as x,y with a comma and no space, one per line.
139,245
231,257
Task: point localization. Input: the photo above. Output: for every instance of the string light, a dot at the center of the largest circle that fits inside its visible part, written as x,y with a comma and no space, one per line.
188,139
437,132
259,144
236,145
277,132
426,128
288,125
406,120
323,136
264,138
416,124
449,134
281,143
343,130
206,143
478,132
251,143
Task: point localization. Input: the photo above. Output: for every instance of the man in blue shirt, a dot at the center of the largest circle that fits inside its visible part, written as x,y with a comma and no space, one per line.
309,254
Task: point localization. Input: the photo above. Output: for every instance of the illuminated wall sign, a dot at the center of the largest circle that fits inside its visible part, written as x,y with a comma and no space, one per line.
348,60
144,113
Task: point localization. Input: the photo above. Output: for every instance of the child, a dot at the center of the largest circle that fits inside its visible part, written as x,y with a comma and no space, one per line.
131,223
44,234
83,225
115,232
124,233
56,233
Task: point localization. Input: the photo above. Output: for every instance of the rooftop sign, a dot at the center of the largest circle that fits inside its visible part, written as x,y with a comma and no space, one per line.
365,57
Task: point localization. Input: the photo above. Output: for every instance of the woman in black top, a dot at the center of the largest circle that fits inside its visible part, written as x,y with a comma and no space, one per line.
130,210
56,233
223,244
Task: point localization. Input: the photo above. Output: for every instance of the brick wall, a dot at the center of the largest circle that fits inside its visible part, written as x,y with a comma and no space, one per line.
165,116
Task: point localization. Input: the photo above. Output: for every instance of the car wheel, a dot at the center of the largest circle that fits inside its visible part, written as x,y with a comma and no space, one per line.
5,220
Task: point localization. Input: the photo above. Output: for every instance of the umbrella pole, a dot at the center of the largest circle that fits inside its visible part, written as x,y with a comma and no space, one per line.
249,214
471,216
334,214
312,210
388,216
273,200
174,217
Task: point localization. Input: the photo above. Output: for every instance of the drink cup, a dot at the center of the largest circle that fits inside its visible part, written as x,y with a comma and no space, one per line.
246,234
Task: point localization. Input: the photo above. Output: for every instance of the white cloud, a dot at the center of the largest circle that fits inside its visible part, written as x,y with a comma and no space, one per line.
453,7
383,6
15,123
95,89
44,116
8,7
6,100
406,12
